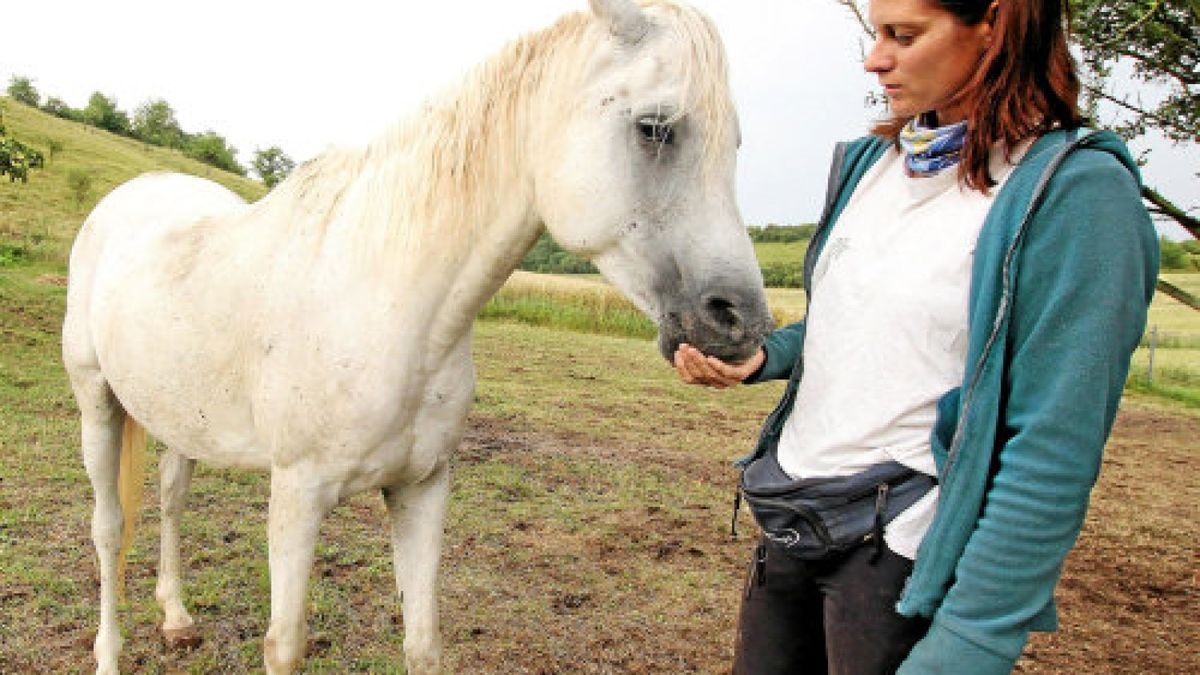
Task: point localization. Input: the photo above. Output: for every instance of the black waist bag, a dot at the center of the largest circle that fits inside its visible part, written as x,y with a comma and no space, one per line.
816,517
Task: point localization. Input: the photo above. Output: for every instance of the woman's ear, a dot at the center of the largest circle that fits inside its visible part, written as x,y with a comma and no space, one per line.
988,25
993,9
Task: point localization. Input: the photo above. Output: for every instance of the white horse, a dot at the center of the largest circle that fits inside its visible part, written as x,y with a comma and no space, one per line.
323,333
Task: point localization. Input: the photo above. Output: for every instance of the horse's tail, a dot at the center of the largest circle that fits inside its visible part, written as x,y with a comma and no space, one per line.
130,477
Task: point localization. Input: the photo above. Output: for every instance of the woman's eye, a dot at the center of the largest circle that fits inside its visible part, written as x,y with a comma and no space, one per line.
656,131
903,39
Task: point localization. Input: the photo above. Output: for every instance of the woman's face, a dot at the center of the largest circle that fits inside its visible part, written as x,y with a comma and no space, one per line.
923,56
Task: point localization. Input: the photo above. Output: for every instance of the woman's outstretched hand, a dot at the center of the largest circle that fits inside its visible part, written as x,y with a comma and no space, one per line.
696,368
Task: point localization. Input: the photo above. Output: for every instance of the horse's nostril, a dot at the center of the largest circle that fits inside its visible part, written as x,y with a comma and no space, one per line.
723,312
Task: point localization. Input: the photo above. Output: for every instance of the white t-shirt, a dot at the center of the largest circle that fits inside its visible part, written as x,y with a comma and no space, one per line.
886,334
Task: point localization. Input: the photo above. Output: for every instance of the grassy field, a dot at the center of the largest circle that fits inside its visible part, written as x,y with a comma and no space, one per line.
588,528
1174,329
590,304
38,219
587,531
776,253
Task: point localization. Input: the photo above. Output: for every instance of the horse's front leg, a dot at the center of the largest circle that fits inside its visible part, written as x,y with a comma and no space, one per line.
175,476
298,504
417,514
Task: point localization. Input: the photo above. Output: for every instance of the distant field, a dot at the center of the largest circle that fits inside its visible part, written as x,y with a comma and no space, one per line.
773,253
589,303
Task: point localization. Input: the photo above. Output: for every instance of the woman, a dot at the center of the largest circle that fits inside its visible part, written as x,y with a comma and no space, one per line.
977,284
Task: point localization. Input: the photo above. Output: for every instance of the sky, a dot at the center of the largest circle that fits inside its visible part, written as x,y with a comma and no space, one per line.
305,75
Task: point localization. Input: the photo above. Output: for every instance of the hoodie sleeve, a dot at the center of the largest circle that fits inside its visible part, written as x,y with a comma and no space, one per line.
783,348
1085,275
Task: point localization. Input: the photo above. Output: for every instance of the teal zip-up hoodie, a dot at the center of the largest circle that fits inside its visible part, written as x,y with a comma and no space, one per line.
1064,270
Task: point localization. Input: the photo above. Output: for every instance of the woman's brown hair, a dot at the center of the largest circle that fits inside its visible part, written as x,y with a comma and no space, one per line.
1025,84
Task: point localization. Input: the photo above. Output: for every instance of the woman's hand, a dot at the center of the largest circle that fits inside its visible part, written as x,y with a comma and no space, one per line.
696,368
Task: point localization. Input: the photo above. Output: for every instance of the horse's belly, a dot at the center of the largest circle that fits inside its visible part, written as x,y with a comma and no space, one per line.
200,412
179,371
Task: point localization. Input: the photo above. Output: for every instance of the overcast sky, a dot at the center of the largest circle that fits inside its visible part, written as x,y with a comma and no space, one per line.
304,75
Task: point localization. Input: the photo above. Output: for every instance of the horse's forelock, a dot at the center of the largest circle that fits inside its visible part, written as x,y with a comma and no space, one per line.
707,95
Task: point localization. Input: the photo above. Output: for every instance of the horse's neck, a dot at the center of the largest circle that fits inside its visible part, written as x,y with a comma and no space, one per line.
444,204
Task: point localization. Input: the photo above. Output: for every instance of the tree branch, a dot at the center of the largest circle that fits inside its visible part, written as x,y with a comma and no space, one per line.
1154,117
1169,209
862,21
1130,28
1178,293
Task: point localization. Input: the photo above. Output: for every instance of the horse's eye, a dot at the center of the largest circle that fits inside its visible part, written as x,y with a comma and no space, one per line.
655,130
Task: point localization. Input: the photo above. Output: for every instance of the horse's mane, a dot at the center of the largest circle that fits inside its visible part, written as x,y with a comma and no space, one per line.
440,172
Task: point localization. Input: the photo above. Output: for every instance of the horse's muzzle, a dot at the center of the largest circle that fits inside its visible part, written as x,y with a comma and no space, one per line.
728,325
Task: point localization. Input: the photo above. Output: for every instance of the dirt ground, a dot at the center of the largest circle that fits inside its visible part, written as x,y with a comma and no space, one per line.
1127,601
564,555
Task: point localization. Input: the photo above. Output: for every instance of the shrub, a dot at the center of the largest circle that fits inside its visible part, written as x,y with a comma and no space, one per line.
80,182
21,90
781,234
1173,255
547,256
12,254
784,275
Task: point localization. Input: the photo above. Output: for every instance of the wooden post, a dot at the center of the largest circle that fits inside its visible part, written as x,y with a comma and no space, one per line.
1153,344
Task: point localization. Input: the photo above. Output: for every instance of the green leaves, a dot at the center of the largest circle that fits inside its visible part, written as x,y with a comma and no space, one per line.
272,165
1160,39
16,158
21,89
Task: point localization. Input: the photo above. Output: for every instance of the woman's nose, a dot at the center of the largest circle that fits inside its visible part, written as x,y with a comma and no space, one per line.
878,59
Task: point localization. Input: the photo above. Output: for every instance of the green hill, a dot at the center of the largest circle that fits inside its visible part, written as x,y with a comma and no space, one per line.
39,219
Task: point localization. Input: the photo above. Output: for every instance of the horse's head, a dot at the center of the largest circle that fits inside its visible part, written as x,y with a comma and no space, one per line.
634,170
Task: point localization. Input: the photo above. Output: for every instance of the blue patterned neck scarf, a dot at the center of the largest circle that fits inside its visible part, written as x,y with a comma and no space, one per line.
928,151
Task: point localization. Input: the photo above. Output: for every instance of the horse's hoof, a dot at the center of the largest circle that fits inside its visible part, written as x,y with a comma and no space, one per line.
182,638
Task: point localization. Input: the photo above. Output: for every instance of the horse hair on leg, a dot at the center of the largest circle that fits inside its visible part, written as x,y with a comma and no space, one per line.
417,513
293,521
101,424
175,477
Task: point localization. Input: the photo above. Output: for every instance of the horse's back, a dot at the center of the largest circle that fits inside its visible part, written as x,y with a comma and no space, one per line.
112,240
155,200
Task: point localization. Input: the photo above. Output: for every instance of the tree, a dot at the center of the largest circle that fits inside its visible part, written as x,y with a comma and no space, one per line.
154,122
211,148
547,256
1172,255
102,112
59,108
272,165
21,89
16,158
1160,40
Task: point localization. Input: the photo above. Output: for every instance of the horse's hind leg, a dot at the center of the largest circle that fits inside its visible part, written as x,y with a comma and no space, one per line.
101,422
175,478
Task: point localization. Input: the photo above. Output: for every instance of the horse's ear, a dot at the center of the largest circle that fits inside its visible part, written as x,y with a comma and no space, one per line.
624,18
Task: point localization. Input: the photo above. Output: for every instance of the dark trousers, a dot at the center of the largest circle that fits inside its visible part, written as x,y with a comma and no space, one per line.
835,616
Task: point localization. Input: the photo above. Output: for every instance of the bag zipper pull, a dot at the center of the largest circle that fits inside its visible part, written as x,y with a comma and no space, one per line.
760,564
881,496
737,506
